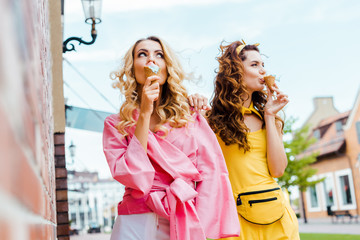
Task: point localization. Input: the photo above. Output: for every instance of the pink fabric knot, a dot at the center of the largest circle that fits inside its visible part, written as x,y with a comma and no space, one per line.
174,202
182,190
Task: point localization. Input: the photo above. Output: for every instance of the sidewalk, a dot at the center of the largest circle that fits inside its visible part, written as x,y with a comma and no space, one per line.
93,236
324,225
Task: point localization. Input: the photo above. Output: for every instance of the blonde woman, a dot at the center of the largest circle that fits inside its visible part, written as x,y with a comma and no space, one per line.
176,181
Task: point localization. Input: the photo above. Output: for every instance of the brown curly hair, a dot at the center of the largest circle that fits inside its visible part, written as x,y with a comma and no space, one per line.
225,117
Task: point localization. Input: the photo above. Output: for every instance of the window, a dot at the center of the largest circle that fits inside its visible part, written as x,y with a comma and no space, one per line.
338,125
313,197
328,191
345,189
358,130
317,134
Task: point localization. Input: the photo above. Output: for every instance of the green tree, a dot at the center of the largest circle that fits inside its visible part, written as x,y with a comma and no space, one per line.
299,170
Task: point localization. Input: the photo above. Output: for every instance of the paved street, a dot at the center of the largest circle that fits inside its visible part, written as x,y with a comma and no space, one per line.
313,226
92,236
326,226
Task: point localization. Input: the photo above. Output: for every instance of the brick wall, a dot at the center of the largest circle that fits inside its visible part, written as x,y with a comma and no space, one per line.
27,175
353,149
348,160
62,205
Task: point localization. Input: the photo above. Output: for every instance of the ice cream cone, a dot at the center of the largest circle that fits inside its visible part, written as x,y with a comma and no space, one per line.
151,70
269,81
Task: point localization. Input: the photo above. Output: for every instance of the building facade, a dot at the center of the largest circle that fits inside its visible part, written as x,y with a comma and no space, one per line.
92,201
338,163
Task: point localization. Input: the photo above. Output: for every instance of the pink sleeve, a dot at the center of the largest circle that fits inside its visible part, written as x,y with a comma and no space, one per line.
128,162
215,203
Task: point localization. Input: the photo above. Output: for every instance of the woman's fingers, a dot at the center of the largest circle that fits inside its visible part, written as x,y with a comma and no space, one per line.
198,101
191,100
150,80
151,89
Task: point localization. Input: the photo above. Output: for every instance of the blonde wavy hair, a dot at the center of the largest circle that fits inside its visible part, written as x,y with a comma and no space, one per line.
173,108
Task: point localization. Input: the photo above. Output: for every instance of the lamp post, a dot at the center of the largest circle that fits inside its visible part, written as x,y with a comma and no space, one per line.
72,149
92,11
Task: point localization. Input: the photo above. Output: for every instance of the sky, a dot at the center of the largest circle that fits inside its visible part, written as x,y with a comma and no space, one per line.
311,46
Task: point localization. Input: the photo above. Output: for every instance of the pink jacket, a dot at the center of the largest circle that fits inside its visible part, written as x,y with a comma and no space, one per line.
182,177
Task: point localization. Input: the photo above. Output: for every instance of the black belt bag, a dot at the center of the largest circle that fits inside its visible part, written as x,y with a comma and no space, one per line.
262,204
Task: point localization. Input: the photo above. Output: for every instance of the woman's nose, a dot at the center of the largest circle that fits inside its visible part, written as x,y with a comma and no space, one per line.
151,58
262,71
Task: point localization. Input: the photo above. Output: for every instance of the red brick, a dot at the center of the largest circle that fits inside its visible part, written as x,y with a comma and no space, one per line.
59,138
29,189
61,183
61,195
63,229
36,232
64,238
60,162
62,218
62,206
61,173
45,175
41,231
60,150
29,129
9,151
29,177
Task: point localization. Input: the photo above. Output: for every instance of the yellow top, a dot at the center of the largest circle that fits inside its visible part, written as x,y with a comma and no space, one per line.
250,168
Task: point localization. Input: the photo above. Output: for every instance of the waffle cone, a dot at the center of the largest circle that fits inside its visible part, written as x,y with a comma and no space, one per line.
149,72
269,81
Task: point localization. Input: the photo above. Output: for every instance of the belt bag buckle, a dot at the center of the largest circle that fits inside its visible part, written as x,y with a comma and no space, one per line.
263,204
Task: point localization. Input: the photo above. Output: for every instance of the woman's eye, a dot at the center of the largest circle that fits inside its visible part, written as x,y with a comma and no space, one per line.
254,64
142,54
160,55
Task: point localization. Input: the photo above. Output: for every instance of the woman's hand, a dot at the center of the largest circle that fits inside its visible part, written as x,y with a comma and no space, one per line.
150,93
276,156
276,101
198,102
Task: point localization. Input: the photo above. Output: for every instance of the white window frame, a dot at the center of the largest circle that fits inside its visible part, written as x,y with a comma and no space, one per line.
338,174
329,175
308,198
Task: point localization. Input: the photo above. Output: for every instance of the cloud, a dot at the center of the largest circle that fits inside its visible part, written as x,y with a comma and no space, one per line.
115,6
111,6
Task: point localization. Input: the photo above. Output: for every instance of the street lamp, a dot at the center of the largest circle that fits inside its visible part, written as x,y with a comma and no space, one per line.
72,149
92,11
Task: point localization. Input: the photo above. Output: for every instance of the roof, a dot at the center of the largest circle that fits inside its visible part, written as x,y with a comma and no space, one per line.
333,119
332,140
325,147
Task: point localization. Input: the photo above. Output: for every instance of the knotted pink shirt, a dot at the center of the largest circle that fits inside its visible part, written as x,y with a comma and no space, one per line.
182,177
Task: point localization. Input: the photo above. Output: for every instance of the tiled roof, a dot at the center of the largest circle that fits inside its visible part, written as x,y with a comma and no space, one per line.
332,140
333,119
324,147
